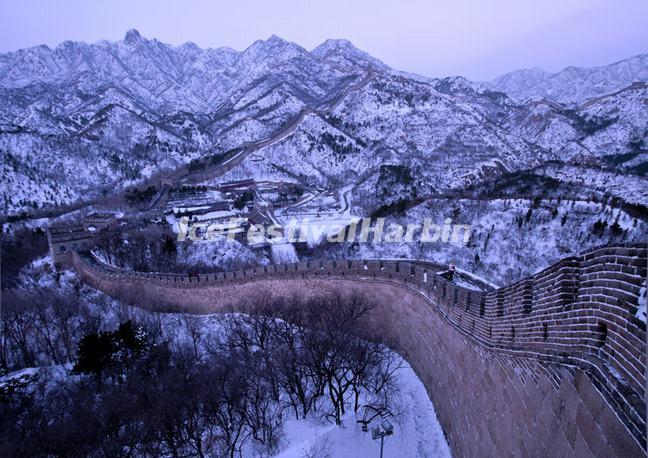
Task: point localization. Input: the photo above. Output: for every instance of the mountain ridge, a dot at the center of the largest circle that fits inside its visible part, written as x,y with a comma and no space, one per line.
573,84
516,83
131,109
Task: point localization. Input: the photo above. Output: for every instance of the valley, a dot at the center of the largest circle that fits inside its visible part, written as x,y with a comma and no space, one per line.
150,198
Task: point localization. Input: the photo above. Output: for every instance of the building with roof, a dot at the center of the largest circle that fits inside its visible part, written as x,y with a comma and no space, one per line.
65,238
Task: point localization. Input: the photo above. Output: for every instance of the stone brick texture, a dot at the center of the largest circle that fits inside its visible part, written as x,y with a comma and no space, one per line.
554,364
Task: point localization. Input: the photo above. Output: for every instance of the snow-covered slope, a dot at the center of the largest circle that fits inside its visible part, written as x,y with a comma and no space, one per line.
573,84
509,238
88,117
84,120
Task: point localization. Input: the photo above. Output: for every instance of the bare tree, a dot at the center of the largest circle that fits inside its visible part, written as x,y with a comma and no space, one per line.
227,405
18,326
193,326
219,394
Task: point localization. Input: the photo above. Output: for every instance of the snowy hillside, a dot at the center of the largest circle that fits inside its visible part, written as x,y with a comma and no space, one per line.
510,238
573,84
417,432
81,121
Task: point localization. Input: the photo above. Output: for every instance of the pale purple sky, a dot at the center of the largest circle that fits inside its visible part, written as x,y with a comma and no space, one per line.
479,39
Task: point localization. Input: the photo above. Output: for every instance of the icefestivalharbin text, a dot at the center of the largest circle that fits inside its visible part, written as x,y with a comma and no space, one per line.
362,230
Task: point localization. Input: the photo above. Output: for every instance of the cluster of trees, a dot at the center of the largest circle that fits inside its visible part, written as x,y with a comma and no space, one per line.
18,249
338,144
200,390
243,199
151,248
599,227
136,196
44,326
41,327
593,124
313,353
195,165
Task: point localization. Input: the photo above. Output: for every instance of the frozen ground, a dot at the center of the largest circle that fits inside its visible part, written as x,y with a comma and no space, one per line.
417,433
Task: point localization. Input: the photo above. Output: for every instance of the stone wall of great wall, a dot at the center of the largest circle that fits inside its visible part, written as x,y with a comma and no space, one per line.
551,365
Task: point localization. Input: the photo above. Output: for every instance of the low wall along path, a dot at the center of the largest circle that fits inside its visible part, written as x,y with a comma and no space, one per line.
553,364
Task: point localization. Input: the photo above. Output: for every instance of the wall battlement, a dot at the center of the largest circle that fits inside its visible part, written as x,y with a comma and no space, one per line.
568,332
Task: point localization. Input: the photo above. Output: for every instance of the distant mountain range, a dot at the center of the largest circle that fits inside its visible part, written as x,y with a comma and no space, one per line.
82,120
573,84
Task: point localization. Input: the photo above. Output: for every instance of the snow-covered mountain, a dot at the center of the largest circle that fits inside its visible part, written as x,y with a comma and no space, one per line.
84,120
156,76
573,84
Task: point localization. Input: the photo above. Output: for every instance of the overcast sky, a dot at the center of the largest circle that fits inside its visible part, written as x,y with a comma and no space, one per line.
479,39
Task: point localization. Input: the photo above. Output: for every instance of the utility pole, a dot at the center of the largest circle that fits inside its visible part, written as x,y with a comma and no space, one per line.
382,443
383,430
380,432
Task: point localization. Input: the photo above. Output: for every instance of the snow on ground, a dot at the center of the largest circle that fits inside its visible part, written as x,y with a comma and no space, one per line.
190,209
49,375
641,306
319,216
417,433
509,238
457,280
219,253
475,277
27,372
630,188
283,253
215,215
41,273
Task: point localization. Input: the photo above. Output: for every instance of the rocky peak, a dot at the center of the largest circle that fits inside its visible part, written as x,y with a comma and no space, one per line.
345,53
133,37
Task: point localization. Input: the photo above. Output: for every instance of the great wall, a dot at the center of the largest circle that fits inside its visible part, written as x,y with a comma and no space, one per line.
553,364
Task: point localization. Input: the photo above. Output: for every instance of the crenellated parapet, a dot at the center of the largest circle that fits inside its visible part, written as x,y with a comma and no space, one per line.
574,321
